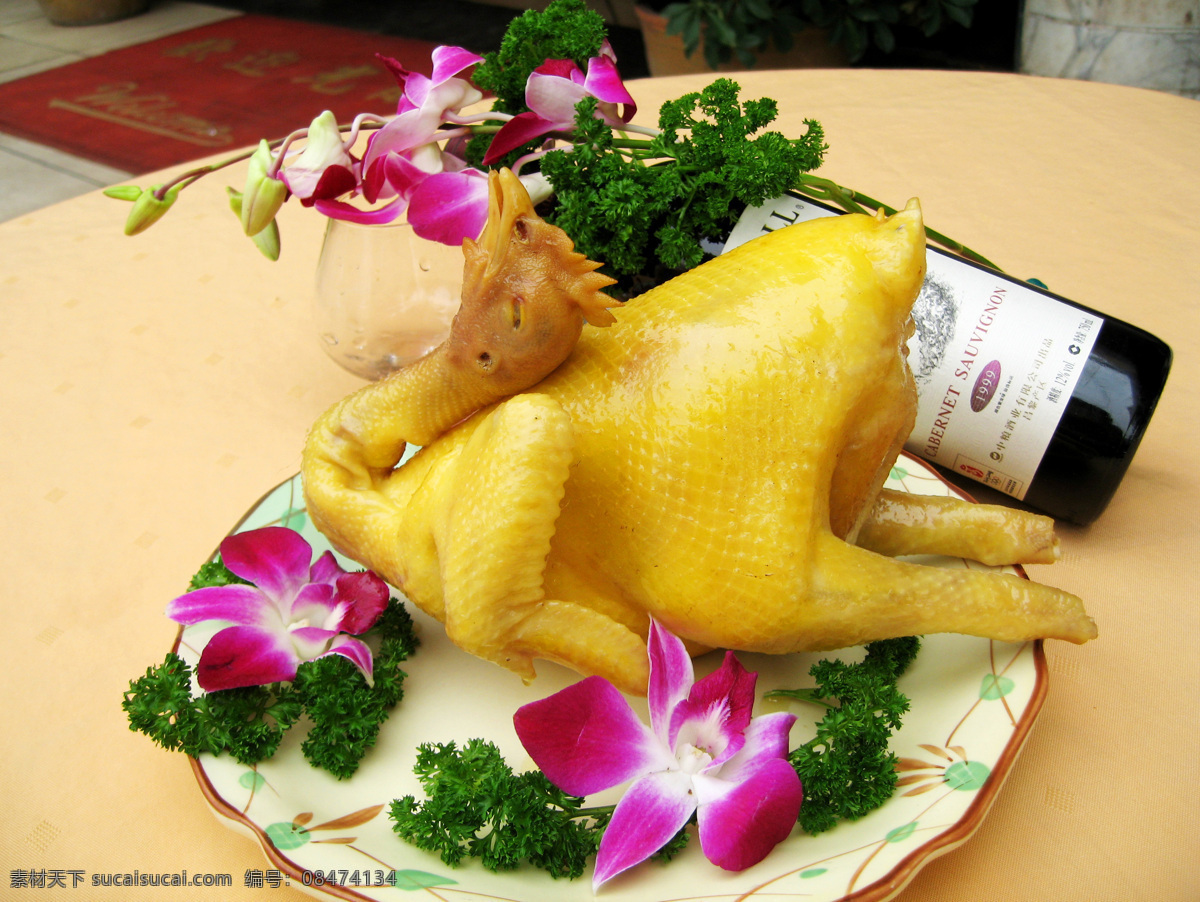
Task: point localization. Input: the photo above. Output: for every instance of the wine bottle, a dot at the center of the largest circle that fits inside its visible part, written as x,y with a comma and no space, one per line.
1037,396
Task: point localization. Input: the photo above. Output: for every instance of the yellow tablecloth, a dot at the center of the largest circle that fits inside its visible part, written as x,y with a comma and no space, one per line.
151,389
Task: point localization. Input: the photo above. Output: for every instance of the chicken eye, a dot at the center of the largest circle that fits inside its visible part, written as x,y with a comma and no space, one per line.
521,227
517,305
485,361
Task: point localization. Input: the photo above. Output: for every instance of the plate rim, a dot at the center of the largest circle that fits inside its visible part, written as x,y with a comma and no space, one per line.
882,889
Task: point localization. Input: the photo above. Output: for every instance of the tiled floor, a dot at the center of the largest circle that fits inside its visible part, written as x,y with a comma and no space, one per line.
32,176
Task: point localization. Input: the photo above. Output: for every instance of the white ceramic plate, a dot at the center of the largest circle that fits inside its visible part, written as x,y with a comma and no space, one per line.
973,704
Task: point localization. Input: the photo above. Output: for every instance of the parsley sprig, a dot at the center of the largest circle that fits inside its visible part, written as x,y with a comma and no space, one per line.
848,768
345,714
248,722
476,806
648,206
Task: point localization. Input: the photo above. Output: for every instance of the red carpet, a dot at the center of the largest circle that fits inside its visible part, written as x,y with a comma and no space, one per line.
196,93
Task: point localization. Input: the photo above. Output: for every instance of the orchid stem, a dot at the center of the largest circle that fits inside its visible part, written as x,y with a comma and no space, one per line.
192,175
476,118
641,129
364,121
800,695
595,811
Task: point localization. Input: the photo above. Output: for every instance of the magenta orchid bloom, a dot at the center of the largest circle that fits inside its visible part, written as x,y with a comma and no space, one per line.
402,154
406,151
453,205
442,91
553,90
702,754
324,169
295,611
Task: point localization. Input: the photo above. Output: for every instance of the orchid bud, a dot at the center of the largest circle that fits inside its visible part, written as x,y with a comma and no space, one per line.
124,192
267,241
148,208
264,194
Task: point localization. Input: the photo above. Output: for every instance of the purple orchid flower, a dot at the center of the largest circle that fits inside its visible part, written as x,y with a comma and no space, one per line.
413,135
551,93
453,205
702,754
425,104
296,610
324,169
450,206
442,90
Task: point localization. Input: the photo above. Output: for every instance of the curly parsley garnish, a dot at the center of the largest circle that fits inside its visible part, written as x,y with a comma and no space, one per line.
848,769
249,722
643,205
476,807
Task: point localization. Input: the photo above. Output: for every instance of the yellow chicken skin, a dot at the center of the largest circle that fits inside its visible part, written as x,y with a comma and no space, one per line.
709,460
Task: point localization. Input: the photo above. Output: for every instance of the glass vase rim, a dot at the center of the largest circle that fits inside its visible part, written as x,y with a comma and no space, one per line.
398,223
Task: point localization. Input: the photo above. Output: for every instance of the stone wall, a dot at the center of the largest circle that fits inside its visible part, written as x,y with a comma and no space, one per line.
1145,43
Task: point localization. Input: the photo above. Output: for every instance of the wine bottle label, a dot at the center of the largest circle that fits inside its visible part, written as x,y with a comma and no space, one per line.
995,360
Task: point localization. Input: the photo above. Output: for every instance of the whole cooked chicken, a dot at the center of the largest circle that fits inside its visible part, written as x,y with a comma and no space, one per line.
713,458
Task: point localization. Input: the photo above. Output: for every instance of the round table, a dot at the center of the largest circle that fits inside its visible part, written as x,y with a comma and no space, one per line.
155,387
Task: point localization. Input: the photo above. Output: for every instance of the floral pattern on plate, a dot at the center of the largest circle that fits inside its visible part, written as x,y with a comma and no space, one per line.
973,704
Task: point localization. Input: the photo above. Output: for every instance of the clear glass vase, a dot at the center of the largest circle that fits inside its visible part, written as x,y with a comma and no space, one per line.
384,296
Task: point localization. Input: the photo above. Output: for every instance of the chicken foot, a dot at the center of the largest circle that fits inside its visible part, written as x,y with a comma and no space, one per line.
901,523
858,591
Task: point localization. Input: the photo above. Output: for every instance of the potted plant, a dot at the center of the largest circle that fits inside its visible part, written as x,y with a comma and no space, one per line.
737,33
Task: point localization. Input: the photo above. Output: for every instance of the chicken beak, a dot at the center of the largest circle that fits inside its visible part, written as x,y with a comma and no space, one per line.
508,201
